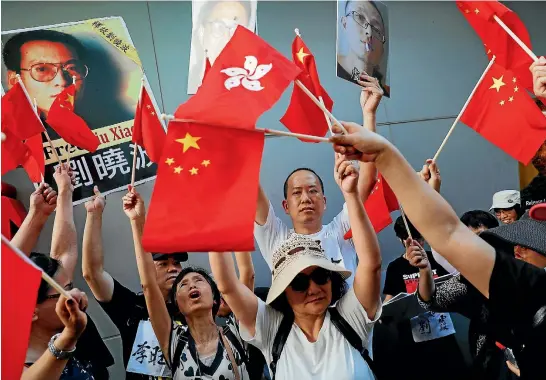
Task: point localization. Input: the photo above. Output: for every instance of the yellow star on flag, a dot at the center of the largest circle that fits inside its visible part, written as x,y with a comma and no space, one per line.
301,55
70,99
466,11
205,163
514,80
516,89
169,161
476,11
148,106
497,83
178,169
511,99
194,171
152,113
189,142
501,102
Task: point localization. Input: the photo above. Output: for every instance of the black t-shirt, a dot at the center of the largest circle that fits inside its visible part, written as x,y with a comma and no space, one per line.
517,301
126,309
534,193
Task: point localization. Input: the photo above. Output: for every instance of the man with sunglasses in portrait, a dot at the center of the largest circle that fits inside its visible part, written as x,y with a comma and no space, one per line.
46,60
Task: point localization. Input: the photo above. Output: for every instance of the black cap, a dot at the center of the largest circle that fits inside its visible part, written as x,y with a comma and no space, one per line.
180,256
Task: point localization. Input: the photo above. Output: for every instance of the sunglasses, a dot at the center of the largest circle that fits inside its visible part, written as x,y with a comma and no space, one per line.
320,276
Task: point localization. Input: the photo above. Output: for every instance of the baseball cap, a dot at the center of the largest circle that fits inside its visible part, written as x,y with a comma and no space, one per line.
505,199
180,256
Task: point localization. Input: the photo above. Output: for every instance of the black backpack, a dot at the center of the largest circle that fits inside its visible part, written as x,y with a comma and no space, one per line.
341,324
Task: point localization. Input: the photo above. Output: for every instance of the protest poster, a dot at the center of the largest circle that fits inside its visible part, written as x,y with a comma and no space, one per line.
146,356
107,89
362,43
213,24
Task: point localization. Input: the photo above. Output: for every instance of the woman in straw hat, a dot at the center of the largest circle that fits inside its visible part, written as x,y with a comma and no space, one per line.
300,333
516,290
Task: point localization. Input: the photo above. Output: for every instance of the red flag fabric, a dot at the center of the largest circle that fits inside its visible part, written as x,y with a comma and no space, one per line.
302,115
504,114
148,131
72,128
14,212
205,193
208,66
247,78
14,152
379,205
509,54
22,118
20,283
35,162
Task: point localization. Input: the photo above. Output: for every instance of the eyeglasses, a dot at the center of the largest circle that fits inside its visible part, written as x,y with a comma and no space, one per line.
361,20
320,276
219,28
46,72
69,286
500,211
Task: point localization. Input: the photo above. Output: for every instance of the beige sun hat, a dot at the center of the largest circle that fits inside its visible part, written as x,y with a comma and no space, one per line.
505,199
294,255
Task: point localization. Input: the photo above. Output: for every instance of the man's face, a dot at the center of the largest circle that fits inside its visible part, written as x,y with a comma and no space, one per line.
539,159
220,26
506,215
365,31
34,52
166,272
305,202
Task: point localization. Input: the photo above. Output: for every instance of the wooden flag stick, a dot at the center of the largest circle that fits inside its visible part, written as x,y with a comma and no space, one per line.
266,130
516,38
405,222
463,109
328,121
45,276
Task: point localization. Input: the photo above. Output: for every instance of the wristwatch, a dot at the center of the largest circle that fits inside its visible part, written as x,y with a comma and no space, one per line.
59,354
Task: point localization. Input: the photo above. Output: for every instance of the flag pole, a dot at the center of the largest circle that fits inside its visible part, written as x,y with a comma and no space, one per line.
515,38
133,173
68,150
405,222
463,109
45,276
266,130
35,109
328,121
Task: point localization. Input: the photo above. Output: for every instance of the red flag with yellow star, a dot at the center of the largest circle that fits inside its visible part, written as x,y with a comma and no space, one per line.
379,205
480,15
206,190
503,113
247,78
148,131
19,113
302,115
72,128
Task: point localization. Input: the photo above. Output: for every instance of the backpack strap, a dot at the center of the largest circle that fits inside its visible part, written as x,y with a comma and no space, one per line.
182,341
279,341
228,332
351,335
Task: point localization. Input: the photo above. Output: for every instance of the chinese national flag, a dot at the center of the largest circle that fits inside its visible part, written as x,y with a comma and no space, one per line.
503,113
302,115
379,205
72,128
14,212
35,162
247,78
16,107
148,131
509,54
20,283
206,190
14,151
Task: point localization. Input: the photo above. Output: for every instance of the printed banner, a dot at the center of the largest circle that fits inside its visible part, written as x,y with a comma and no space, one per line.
214,22
146,356
430,326
362,43
107,91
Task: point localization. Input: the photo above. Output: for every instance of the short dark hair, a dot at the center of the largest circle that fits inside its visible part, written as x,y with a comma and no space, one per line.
339,288
215,292
479,218
297,170
402,233
373,5
11,53
50,266
209,6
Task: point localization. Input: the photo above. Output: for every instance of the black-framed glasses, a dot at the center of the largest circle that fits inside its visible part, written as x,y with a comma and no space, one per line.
68,287
364,23
320,276
46,71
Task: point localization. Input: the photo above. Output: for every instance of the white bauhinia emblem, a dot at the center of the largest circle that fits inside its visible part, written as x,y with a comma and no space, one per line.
249,76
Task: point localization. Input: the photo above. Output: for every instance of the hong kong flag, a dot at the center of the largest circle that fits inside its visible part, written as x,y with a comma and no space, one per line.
247,78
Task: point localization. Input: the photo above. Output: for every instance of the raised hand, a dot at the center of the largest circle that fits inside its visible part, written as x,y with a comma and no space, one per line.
371,93
345,174
64,177
360,144
71,312
98,202
538,69
416,255
431,174
43,200
133,205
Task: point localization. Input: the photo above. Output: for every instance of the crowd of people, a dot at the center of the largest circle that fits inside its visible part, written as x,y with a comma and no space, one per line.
317,319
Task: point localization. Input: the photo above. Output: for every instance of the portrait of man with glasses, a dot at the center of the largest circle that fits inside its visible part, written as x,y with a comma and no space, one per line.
362,41
214,22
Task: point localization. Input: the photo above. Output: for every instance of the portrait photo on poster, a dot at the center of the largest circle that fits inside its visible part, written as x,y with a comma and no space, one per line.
102,59
214,22
362,43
